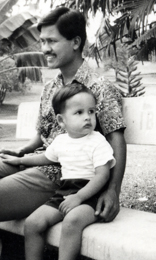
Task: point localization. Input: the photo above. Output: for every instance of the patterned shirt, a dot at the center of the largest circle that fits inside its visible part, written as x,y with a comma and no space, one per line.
109,108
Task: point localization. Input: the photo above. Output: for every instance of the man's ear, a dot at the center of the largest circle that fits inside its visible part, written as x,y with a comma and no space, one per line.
77,43
60,120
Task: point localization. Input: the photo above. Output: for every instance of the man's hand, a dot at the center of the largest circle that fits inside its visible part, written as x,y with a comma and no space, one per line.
13,160
70,202
108,205
16,152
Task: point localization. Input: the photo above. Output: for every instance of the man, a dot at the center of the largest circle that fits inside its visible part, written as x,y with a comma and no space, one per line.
63,35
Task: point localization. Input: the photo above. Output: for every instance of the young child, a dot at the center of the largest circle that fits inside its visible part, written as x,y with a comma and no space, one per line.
86,158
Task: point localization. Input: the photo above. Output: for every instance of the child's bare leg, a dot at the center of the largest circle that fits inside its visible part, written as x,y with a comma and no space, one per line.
35,226
73,224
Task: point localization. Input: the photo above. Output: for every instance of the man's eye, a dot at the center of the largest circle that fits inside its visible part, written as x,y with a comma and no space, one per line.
42,41
50,41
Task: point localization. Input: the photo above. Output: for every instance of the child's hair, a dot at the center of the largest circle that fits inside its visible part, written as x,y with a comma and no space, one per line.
61,96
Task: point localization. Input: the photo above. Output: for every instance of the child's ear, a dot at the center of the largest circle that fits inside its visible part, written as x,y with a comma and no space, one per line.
60,121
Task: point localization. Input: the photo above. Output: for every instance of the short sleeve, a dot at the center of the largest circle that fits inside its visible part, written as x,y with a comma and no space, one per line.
38,123
51,151
109,109
103,153
40,116
47,124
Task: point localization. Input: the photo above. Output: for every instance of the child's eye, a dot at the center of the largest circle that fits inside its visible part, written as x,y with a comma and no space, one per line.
92,111
79,112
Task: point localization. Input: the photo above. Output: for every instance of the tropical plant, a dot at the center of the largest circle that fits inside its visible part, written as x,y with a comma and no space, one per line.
133,22
17,34
3,89
129,80
132,26
125,67
8,80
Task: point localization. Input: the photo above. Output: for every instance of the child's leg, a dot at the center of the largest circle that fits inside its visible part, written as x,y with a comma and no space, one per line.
73,224
35,226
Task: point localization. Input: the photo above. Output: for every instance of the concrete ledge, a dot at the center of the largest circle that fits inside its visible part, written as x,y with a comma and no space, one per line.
131,236
8,122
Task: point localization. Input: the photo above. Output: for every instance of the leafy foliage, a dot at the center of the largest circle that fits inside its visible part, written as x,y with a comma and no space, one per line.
133,23
8,80
5,6
17,33
127,77
128,80
29,64
93,5
133,27
2,92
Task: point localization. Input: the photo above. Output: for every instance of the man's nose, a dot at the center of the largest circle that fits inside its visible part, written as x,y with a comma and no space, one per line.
46,47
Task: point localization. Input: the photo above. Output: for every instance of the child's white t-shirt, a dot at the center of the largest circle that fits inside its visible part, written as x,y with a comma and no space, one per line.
80,156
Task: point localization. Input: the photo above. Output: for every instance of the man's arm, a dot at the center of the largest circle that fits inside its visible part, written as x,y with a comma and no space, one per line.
33,144
108,203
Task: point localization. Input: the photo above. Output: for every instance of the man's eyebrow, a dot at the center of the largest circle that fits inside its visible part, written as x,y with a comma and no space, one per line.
46,38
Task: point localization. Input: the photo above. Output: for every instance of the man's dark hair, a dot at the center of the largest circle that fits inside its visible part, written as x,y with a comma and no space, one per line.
63,94
69,22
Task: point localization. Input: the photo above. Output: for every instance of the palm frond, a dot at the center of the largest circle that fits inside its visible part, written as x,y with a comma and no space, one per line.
5,6
92,5
138,10
151,33
12,26
26,38
30,59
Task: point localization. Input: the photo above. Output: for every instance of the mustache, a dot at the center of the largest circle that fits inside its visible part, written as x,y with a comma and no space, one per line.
47,52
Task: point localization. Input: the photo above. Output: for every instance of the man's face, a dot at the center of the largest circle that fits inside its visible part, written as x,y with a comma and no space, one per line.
58,51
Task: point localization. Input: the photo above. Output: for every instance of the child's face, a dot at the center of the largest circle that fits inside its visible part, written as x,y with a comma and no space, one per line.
79,115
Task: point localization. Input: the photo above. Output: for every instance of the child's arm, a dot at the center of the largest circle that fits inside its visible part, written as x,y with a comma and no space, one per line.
102,174
34,160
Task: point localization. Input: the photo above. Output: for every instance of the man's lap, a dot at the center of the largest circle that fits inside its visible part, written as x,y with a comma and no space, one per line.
32,177
6,169
22,192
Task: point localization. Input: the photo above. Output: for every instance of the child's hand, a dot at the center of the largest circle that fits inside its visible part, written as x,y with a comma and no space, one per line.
13,160
70,202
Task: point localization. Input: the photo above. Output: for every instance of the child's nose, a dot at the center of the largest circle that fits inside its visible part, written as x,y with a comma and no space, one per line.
87,116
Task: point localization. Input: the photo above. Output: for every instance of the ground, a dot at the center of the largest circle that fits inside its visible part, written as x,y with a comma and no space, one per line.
139,183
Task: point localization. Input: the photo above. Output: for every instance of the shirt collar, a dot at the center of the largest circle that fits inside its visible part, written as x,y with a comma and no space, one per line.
82,75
